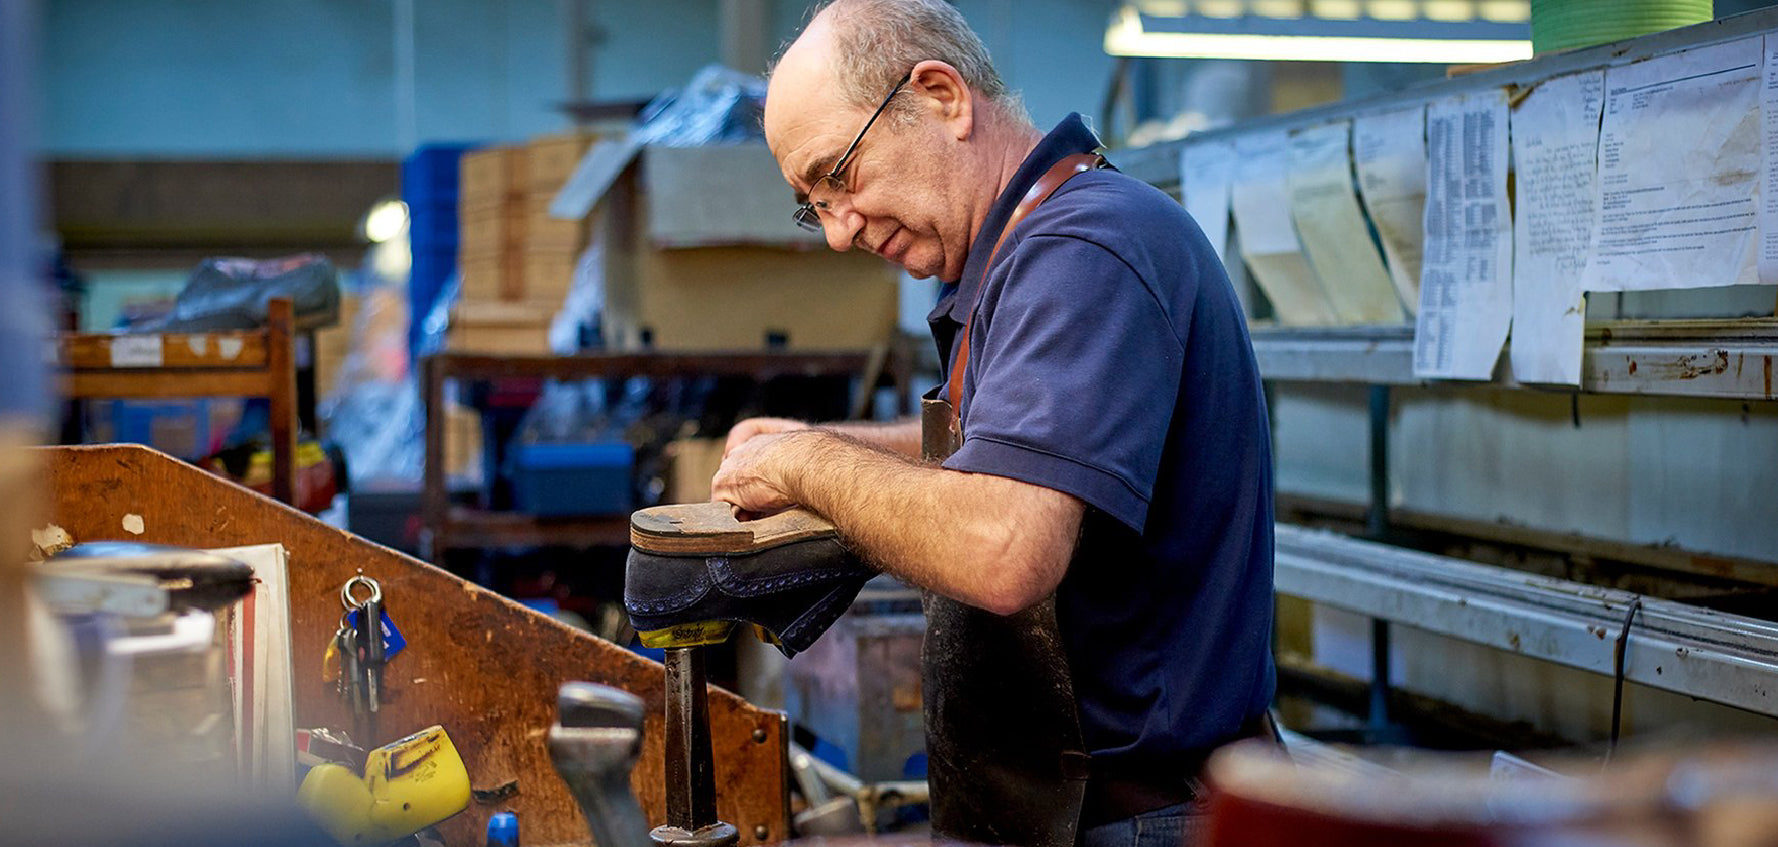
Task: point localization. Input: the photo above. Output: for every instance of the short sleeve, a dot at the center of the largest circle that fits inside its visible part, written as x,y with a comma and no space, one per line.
1073,377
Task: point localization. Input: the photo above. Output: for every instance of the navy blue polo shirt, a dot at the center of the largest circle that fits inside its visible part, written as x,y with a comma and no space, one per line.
1109,360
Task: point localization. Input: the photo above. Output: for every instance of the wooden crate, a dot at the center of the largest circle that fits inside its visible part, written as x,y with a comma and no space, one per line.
498,326
551,159
544,233
547,274
491,176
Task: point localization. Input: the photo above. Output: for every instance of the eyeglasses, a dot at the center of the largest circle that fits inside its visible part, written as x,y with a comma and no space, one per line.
806,215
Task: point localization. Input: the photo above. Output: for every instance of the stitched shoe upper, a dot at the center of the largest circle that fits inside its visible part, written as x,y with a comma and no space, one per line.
795,591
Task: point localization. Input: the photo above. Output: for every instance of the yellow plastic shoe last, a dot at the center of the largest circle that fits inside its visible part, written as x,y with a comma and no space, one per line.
407,786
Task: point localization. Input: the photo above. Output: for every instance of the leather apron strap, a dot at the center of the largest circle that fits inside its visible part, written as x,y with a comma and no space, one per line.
1052,179
1005,759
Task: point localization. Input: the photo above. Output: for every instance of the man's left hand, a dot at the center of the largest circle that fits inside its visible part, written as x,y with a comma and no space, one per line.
755,474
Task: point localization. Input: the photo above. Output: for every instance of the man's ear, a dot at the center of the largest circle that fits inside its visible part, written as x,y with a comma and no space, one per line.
946,95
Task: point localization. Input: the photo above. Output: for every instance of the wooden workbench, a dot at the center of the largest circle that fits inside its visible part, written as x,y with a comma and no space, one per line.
484,667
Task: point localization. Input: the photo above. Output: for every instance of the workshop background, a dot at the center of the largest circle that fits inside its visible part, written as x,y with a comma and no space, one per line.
472,211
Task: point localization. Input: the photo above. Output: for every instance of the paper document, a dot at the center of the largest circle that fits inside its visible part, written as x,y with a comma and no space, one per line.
1555,139
1389,152
1466,294
260,667
1768,202
1678,164
1260,198
1205,169
1324,205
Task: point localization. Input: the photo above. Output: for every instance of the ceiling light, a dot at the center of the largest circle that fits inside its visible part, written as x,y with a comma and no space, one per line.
1392,10
1128,36
385,221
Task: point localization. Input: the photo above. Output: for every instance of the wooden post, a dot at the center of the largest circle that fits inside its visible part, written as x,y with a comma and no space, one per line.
281,391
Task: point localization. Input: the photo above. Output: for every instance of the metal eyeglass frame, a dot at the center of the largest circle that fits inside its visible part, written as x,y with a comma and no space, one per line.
806,215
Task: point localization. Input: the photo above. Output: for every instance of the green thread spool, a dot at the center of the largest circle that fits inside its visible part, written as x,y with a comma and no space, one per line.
1567,24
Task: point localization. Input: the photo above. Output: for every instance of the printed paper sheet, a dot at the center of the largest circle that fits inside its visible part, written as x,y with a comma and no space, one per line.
1768,202
1466,273
1260,198
1205,169
1389,152
1324,206
1679,159
1555,138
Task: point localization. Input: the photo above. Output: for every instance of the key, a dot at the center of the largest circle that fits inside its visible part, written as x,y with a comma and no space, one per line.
332,662
370,635
352,671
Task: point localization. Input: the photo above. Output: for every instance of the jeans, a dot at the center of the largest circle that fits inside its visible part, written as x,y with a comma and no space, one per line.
1173,826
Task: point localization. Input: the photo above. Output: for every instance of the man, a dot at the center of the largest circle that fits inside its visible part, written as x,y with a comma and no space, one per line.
1097,551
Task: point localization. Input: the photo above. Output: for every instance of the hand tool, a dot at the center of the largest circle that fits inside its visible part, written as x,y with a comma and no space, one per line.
594,745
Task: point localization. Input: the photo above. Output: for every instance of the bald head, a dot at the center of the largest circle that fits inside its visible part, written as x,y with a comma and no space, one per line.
918,177
872,44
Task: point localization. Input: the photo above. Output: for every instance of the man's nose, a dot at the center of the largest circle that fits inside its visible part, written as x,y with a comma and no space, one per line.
841,225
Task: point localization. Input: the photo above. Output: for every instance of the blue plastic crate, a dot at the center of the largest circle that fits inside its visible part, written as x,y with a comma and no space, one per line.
432,227
572,479
429,174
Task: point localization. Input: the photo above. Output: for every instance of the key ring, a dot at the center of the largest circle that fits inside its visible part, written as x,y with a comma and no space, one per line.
351,603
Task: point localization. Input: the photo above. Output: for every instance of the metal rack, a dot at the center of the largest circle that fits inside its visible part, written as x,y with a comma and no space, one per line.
448,527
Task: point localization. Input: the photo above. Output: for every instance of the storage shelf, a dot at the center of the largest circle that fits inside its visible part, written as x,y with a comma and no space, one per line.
1728,359
1673,646
448,528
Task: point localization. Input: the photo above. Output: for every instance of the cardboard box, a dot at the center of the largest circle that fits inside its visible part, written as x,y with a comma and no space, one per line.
750,293
691,462
333,344
719,195
741,298
495,326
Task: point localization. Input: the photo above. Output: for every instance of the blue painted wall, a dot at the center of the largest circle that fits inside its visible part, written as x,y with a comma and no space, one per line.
246,78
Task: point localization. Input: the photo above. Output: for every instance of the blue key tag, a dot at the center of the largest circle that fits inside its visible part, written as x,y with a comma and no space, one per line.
393,641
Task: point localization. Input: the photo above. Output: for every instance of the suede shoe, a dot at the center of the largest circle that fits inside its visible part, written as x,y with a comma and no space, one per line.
694,571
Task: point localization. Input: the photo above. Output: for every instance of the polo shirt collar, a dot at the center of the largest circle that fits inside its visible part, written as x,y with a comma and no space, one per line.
1071,136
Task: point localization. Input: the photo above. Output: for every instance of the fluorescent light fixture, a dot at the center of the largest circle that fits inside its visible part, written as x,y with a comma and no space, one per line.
1127,36
1392,10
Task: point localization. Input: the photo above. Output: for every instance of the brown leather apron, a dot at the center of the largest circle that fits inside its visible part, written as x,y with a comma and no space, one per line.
1005,759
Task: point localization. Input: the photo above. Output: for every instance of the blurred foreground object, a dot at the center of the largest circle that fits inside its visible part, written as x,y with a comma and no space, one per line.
1714,796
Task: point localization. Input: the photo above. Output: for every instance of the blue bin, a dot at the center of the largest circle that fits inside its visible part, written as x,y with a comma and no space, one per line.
556,480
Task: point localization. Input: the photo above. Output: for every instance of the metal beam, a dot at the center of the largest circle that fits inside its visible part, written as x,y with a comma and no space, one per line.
1726,359
1672,646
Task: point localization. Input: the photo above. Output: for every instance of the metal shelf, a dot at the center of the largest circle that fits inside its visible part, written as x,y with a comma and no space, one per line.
1727,359
1672,646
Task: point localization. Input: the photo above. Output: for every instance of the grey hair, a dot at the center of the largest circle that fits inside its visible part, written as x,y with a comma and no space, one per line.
877,42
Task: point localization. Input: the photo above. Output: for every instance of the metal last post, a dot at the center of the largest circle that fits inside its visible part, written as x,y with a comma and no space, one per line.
691,777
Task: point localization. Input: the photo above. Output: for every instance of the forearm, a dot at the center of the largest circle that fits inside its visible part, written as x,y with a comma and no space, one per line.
898,436
981,539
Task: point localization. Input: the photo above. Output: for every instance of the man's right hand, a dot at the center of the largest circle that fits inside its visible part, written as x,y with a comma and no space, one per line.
758,426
